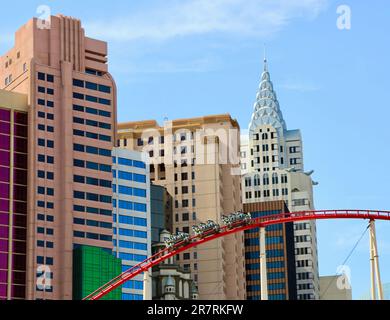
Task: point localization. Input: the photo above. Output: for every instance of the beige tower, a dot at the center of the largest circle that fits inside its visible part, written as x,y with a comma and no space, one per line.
197,161
71,132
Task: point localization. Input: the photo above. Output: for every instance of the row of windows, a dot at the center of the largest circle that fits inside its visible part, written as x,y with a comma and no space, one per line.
305,286
94,111
92,123
132,257
42,127
47,159
266,193
268,240
270,265
131,245
91,135
92,197
46,143
48,103
93,236
304,238
185,190
45,244
92,223
45,77
270,254
131,233
43,115
131,220
92,210
42,217
185,216
94,72
185,203
47,191
92,181
91,150
266,180
131,296
91,86
305,276
91,165
274,286
49,261
129,205
184,176
129,162
45,175
43,204
45,90
129,191
129,176
133,284
47,231
89,98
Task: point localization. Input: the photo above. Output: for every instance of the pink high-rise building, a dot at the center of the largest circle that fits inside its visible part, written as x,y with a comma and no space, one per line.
71,107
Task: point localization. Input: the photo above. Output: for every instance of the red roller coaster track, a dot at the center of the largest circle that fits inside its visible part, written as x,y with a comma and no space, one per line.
255,223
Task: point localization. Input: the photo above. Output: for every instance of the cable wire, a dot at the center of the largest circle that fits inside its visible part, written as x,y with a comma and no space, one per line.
346,260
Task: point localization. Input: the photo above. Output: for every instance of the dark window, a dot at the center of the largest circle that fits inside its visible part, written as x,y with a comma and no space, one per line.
105,89
50,78
78,83
41,76
91,85
78,108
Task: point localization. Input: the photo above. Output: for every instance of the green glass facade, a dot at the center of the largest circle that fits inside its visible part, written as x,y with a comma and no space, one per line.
93,267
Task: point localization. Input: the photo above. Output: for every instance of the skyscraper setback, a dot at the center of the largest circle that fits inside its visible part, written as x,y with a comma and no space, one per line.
71,131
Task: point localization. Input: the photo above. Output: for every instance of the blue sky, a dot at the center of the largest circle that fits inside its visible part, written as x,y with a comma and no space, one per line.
190,58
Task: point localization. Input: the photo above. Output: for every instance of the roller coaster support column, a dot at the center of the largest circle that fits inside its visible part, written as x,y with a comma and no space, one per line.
147,286
263,265
374,259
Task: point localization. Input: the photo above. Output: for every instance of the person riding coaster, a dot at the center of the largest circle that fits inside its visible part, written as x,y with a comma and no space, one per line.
181,237
236,219
205,229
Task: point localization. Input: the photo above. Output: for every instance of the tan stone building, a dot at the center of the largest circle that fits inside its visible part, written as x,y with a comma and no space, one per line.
335,288
197,161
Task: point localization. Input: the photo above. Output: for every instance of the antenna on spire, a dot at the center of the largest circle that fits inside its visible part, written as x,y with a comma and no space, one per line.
265,59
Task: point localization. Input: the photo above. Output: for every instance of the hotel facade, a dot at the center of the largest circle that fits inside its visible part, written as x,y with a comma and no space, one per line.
70,118
197,161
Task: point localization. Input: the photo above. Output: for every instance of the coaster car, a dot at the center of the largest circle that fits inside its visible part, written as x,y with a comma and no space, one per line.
237,219
180,238
206,229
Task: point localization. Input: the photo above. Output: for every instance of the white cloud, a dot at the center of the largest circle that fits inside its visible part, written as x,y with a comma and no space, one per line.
174,19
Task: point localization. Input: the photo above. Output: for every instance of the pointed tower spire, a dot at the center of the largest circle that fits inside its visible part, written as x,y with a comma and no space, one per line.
266,109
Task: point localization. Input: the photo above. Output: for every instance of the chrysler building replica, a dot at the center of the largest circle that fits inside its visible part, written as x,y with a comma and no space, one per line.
272,169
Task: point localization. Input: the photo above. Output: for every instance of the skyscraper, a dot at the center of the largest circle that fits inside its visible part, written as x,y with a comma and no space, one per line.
189,157
279,249
273,169
13,194
131,216
71,132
